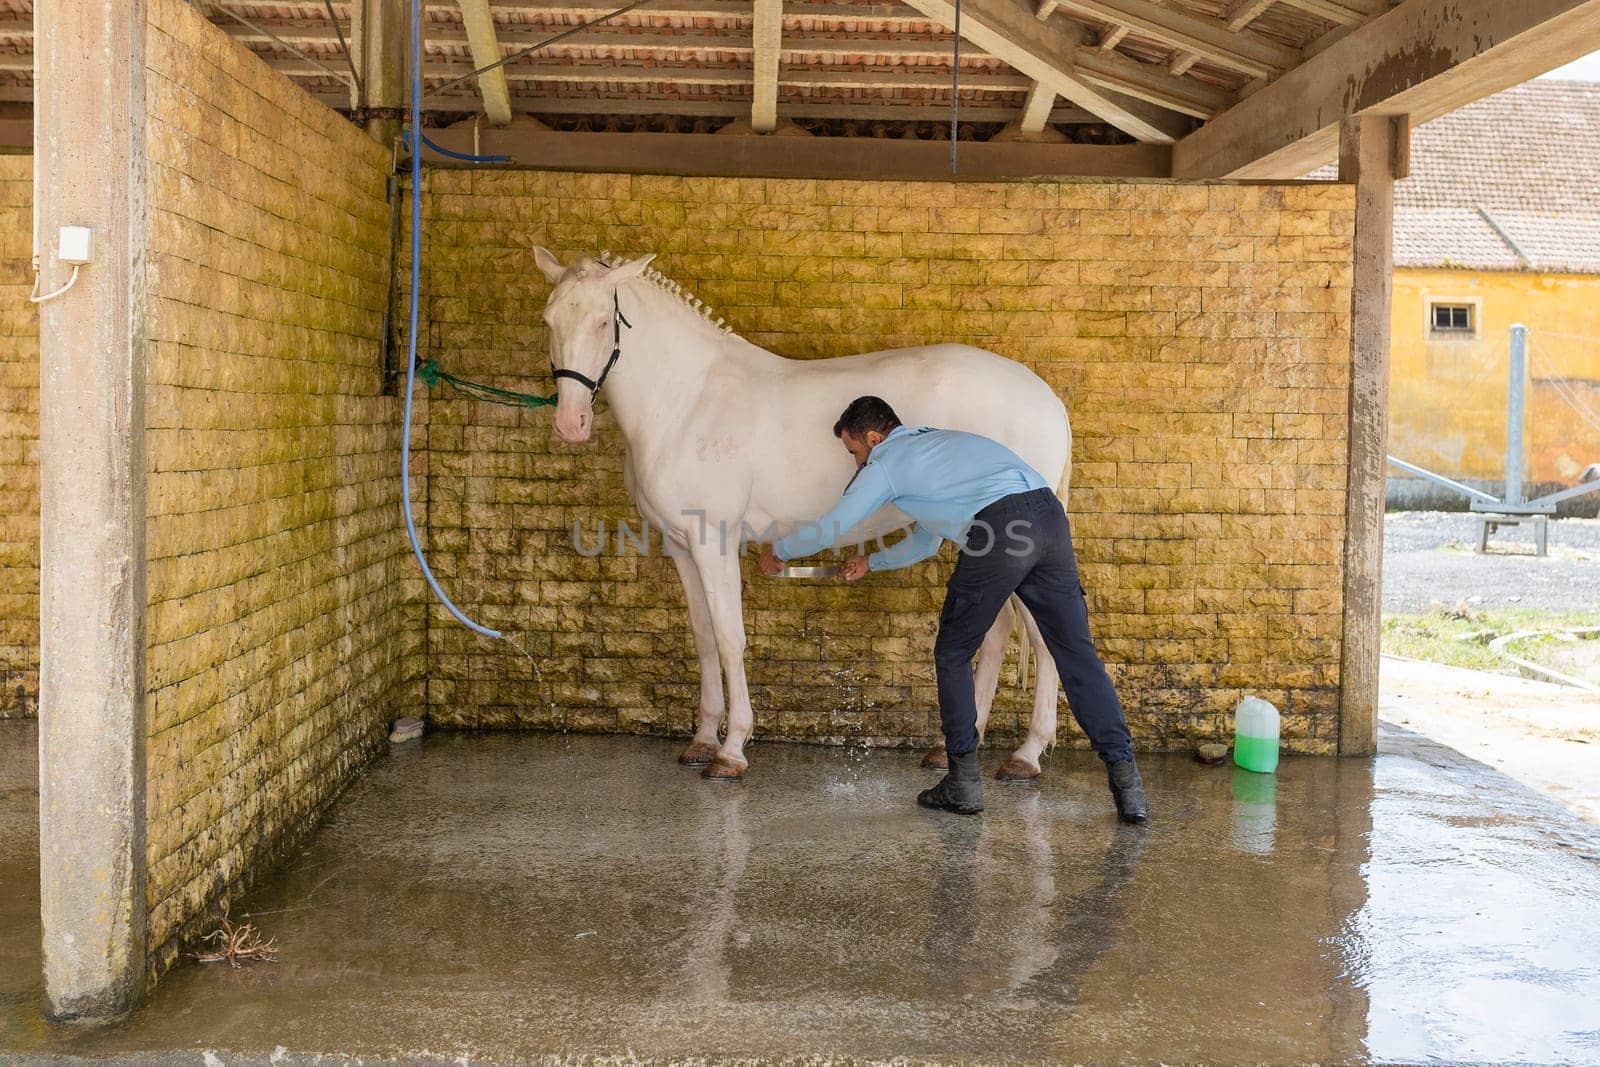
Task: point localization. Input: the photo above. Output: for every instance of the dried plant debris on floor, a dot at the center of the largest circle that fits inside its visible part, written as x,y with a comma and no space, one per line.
237,943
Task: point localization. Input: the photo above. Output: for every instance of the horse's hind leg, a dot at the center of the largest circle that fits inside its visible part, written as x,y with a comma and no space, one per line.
703,749
984,682
1024,762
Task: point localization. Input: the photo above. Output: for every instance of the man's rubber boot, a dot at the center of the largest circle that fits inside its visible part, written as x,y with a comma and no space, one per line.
960,791
1127,789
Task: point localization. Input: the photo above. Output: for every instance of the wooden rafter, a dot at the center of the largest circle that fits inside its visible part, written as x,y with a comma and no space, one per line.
1148,82
737,155
1242,13
766,39
1210,38
1036,111
485,47
795,42
1043,52
1340,14
694,9
729,106
683,74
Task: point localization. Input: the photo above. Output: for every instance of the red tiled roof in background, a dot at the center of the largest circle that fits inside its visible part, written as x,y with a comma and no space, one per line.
1509,182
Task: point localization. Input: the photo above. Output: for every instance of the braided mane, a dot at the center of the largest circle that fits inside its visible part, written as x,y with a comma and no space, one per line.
673,289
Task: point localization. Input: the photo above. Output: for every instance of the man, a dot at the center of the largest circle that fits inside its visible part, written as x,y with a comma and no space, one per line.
1017,541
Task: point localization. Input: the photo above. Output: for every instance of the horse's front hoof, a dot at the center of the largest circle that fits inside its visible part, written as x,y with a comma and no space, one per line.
698,754
1016,769
723,769
936,759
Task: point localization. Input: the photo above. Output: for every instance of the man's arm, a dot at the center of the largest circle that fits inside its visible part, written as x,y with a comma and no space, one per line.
915,547
868,492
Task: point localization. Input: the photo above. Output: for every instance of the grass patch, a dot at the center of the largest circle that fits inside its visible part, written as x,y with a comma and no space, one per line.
1460,636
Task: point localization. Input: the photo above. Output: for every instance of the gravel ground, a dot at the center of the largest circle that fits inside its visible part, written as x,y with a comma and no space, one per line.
1428,557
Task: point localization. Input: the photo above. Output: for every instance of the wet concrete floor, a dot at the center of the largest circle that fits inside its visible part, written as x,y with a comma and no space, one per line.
520,897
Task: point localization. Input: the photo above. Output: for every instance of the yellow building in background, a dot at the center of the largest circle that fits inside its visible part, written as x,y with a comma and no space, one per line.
1498,224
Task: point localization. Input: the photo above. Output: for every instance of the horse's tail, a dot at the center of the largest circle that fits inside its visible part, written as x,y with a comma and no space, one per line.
1018,623
1024,645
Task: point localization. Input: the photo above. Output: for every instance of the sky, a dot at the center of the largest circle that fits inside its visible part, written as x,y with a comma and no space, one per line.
1585,69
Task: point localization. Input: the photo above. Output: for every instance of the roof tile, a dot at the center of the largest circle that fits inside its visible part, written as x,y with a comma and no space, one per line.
1524,160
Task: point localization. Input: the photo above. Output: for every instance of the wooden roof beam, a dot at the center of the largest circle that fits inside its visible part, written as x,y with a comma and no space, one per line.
1149,82
734,155
1242,13
794,42
1343,13
1010,31
695,9
379,35
485,45
1036,111
577,74
1109,37
1210,38
1421,59
766,40
724,106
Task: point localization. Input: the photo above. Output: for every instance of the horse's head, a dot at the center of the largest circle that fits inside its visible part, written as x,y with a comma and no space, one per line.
584,328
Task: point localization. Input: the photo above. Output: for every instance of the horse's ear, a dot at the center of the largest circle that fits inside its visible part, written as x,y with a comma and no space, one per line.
549,265
631,269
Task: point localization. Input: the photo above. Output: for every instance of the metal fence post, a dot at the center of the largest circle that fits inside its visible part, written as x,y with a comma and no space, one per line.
1519,374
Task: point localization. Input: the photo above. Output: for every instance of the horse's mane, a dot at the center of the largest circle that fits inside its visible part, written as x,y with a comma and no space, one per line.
674,290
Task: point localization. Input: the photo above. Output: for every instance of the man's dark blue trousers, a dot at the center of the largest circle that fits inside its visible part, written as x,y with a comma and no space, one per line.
1022,544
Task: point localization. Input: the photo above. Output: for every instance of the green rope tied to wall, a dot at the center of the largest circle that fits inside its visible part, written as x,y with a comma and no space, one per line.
432,376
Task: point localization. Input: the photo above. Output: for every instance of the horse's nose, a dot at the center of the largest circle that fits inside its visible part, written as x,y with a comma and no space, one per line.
573,426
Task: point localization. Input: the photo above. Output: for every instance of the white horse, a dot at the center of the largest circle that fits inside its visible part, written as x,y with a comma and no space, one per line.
723,435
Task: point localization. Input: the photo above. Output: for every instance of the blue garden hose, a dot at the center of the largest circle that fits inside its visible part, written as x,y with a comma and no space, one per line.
415,141
453,154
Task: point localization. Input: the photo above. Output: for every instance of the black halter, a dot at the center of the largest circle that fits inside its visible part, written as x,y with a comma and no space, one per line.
617,323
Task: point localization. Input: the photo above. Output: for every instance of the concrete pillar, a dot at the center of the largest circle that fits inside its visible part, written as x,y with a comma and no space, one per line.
381,48
1371,155
90,144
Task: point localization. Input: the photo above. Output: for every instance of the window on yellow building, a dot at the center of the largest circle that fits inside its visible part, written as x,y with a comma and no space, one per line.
1452,320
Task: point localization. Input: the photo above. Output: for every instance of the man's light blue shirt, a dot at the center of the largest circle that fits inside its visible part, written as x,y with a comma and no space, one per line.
941,478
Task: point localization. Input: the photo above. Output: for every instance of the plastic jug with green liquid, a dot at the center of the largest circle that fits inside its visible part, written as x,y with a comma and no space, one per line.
1255,735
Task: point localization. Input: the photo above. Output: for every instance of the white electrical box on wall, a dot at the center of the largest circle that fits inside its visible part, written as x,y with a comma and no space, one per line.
77,245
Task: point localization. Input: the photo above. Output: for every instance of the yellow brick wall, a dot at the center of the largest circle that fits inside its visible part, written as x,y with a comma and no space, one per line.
1199,336
19,446
1447,397
280,638
1563,418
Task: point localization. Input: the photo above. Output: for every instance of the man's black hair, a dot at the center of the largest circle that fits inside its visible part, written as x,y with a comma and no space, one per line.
866,413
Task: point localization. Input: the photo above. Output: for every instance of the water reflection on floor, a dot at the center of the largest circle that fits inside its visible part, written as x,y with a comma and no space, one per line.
507,896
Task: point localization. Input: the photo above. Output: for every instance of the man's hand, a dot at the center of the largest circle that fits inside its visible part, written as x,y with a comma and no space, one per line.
855,568
770,563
